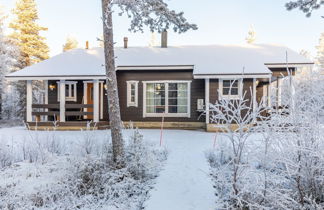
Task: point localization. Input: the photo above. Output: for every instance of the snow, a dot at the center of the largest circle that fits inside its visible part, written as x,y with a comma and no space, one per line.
209,59
183,183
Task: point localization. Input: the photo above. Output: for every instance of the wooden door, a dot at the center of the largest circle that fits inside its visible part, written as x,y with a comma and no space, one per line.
90,99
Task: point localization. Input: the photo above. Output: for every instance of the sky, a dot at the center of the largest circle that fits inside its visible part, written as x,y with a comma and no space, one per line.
219,22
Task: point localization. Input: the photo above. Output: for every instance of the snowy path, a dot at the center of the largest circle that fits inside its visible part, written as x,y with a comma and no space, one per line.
184,183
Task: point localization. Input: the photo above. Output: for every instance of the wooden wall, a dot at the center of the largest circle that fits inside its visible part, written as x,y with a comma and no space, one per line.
136,113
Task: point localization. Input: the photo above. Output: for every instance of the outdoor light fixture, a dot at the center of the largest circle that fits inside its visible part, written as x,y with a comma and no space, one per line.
105,86
52,87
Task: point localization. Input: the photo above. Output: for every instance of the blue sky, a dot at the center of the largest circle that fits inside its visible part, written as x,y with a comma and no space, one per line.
219,22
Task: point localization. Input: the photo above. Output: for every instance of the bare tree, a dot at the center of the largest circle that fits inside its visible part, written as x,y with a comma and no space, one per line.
236,118
152,13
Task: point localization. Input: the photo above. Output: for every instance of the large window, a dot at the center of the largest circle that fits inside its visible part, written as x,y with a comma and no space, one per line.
230,89
170,99
70,91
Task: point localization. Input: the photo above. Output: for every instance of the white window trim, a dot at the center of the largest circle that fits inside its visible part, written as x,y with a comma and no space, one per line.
187,115
234,97
129,98
67,98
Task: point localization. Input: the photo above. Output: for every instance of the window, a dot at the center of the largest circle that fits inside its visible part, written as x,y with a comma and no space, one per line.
170,99
132,93
70,91
230,89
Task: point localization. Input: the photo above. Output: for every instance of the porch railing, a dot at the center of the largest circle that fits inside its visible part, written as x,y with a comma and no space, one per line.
53,109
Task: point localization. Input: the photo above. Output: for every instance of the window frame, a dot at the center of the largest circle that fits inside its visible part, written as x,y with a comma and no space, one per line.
167,114
131,103
68,97
230,96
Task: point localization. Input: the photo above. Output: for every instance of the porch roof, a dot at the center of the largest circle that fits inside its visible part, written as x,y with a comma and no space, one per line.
204,60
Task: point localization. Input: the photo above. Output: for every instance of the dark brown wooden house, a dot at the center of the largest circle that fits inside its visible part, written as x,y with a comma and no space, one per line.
175,83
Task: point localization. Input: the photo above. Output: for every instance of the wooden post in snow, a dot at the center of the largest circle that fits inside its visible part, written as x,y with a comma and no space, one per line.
161,133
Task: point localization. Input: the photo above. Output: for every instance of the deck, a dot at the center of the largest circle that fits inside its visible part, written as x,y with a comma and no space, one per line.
103,125
67,126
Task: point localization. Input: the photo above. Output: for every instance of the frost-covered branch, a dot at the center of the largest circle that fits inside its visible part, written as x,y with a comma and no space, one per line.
306,6
155,14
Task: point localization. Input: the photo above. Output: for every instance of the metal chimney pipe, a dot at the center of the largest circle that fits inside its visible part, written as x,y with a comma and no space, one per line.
125,42
164,39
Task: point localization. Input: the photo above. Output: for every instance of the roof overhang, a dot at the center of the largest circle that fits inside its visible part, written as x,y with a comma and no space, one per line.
231,76
289,65
157,67
57,77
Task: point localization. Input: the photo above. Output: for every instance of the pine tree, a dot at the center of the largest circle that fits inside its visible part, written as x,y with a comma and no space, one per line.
251,37
153,41
32,46
26,35
158,17
320,52
7,61
71,43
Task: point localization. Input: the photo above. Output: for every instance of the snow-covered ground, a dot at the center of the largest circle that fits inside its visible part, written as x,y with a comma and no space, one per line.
184,182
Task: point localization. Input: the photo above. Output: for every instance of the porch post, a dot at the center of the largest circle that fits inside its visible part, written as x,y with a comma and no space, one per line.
46,97
207,86
85,98
29,101
96,100
278,91
62,100
269,93
254,94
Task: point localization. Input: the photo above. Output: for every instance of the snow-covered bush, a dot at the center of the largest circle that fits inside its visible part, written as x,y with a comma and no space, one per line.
235,118
64,173
280,164
300,150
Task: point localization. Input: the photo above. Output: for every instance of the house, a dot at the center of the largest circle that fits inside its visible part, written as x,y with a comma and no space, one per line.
154,82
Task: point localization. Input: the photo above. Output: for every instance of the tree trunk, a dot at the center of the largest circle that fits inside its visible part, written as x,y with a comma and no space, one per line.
112,89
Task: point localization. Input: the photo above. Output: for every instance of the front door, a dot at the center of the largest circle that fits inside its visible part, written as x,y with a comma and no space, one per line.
90,99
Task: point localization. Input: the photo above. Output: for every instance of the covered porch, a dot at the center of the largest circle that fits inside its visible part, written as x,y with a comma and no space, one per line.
68,103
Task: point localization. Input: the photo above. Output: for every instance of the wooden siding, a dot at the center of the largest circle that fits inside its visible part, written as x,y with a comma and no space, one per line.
278,72
136,113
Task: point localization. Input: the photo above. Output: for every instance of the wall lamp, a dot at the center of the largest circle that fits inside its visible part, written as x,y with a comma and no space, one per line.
52,87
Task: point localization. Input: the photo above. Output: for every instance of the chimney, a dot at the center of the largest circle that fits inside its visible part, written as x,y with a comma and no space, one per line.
125,42
164,39
87,45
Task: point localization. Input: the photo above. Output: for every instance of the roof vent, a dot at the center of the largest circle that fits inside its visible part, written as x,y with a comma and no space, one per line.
87,45
164,39
125,42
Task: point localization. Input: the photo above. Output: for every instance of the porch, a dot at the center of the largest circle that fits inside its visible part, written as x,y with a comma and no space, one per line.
66,103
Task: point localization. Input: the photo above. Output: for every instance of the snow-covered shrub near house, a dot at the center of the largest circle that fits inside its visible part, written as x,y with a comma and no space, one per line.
51,170
230,164
280,165
301,148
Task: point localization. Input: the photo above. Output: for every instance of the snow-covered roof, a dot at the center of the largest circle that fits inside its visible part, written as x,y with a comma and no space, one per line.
206,60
